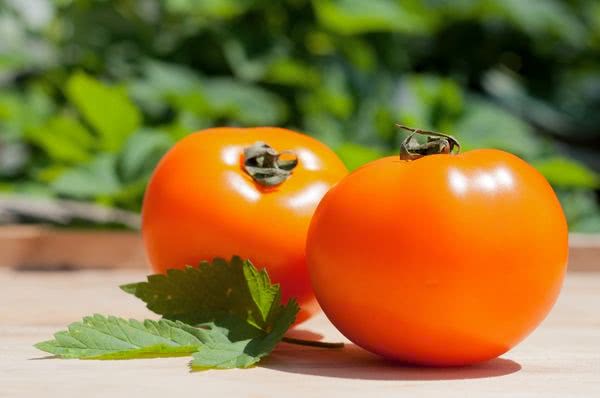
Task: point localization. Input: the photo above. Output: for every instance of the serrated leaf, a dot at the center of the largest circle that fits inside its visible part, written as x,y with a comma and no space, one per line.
106,108
214,291
245,353
248,318
100,337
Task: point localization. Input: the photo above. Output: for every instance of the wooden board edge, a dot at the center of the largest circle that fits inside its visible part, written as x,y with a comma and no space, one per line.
42,247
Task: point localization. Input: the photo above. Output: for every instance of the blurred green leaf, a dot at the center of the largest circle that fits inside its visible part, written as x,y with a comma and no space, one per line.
209,8
106,108
64,139
541,16
355,156
359,16
185,123
170,79
20,111
427,101
485,125
325,128
509,74
509,91
333,96
579,205
567,173
248,104
589,225
292,72
163,84
98,178
19,49
14,156
142,152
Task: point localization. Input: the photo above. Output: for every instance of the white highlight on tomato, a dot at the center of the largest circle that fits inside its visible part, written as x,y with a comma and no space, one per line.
242,186
459,183
231,155
486,181
309,196
504,177
307,160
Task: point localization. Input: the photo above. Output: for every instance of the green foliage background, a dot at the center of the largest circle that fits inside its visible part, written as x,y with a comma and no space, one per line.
93,92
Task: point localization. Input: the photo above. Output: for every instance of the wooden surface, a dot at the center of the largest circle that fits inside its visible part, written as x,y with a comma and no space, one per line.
39,247
584,252
560,359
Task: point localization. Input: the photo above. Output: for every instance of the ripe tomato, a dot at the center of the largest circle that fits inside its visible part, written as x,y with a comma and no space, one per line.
443,260
201,203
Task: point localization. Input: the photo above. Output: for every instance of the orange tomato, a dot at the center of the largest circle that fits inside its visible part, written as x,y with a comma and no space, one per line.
443,260
201,203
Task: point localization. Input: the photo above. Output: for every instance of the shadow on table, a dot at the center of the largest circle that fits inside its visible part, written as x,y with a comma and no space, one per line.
352,362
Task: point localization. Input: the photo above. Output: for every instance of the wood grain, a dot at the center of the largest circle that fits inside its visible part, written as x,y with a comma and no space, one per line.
560,359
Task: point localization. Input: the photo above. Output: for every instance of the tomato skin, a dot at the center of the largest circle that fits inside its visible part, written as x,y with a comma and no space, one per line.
444,260
201,204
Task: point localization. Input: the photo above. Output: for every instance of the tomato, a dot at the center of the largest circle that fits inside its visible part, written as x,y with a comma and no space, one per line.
201,203
443,260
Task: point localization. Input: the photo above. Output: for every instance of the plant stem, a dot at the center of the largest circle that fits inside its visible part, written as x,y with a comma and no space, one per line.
312,343
437,143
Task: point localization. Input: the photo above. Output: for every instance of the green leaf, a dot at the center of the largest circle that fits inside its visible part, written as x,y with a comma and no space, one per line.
209,8
578,204
429,101
64,139
245,353
292,72
13,157
567,173
98,178
216,291
354,155
541,18
142,152
102,337
249,320
590,225
164,84
106,108
22,111
359,16
485,125
263,293
246,103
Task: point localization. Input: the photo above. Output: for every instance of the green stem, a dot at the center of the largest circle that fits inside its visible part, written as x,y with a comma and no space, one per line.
437,143
266,166
312,343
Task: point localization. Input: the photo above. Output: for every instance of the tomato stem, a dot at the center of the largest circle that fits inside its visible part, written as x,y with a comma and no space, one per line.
437,143
266,166
312,343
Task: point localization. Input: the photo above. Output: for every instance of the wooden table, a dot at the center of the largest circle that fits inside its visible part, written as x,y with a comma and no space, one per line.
560,359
